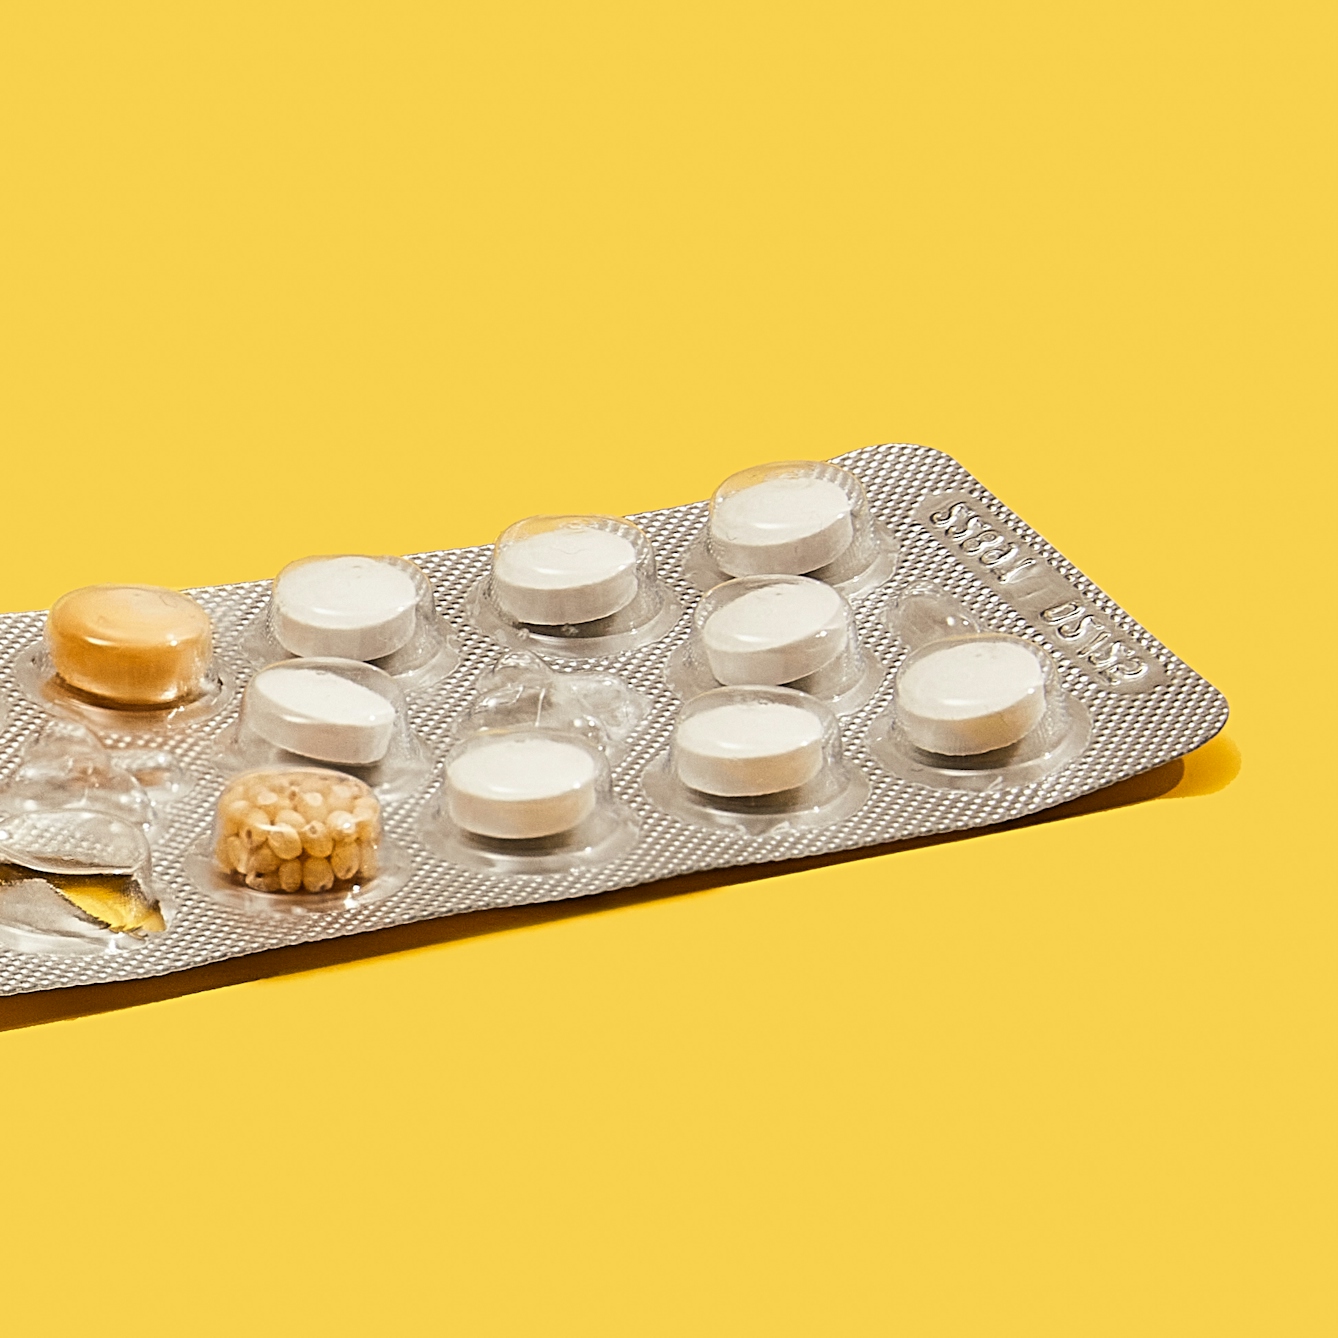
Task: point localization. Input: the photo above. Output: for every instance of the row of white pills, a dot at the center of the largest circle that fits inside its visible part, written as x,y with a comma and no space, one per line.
964,699
773,634
529,786
575,571
786,519
961,699
363,609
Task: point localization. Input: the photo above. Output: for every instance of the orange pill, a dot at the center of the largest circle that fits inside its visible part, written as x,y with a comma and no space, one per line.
132,645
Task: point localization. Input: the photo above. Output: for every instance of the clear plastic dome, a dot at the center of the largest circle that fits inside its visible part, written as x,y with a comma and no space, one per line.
972,709
574,586
757,760
793,518
126,660
776,631
295,841
527,800
331,712
76,881
377,610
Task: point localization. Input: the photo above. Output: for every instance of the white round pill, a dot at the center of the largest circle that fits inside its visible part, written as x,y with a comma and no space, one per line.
571,574
775,634
521,788
782,526
352,608
971,696
748,748
320,714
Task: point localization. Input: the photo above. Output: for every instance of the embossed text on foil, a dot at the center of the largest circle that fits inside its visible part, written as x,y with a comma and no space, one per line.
1048,600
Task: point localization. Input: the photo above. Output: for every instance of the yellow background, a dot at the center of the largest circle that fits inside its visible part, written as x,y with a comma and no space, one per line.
282,278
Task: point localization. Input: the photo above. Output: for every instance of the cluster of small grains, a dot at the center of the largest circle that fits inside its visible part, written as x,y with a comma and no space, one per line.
298,831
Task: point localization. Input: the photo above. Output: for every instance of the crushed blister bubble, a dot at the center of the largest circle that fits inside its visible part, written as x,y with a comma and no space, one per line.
522,690
66,767
76,881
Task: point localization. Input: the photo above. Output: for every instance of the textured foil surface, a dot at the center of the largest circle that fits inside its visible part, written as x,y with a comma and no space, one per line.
952,532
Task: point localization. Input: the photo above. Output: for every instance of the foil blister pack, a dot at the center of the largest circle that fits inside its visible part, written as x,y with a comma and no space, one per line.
687,735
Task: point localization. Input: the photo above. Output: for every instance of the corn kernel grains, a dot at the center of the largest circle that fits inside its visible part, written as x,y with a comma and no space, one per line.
292,832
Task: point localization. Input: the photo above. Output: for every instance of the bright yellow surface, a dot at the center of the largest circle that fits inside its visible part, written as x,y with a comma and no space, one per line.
292,278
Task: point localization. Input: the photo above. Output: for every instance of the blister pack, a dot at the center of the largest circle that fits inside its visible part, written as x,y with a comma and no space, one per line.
825,657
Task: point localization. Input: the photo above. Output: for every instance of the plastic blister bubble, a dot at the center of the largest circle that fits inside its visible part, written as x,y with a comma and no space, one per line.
756,760
971,709
128,661
776,631
331,712
793,518
526,800
297,841
378,610
522,690
66,766
76,881
574,587
527,787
